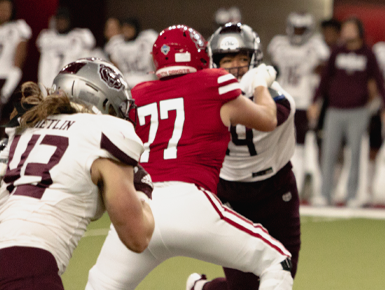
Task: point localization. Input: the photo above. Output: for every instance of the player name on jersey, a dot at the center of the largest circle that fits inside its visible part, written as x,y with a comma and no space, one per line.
54,124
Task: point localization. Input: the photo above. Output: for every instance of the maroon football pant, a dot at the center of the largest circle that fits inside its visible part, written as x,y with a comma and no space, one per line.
274,203
24,268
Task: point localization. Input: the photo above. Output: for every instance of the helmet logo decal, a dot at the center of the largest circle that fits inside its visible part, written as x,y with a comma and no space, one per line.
110,77
165,49
229,43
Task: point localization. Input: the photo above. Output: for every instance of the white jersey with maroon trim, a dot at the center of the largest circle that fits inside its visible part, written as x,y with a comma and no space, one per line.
51,197
254,155
57,50
113,44
134,59
296,65
11,34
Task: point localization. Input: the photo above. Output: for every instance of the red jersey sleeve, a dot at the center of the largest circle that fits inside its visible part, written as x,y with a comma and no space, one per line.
228,86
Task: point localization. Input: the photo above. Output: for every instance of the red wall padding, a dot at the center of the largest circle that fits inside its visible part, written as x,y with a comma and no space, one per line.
36,13
372,16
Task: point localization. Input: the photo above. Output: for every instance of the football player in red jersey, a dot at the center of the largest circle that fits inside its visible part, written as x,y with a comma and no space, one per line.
183,121
66,167
256,177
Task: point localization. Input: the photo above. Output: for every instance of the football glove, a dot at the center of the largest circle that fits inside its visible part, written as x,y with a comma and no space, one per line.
262,75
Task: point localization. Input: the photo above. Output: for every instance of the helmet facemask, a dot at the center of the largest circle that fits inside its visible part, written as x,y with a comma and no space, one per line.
226,61
234,39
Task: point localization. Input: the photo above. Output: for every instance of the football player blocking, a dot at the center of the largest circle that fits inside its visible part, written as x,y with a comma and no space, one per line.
256,178
67,166
183,121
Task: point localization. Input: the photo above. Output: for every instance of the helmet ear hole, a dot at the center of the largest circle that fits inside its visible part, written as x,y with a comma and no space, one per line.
111,111
105,104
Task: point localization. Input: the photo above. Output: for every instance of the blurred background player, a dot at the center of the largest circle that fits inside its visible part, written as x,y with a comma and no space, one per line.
345,82
133,55
113,36
14,36
183,121
256,179
226,15
61,44
298,57
78,164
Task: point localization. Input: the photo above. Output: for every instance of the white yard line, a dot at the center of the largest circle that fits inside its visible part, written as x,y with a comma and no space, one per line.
341,212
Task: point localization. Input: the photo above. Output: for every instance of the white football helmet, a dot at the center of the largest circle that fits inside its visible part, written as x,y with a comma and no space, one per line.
299,27
235,38
97,84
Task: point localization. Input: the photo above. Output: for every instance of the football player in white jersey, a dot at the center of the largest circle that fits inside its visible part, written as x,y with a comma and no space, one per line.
67,165
297,57
256,179
133,55
113,35
14,36
60,45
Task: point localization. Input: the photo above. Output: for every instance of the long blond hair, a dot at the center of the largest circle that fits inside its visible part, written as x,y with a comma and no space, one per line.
53,104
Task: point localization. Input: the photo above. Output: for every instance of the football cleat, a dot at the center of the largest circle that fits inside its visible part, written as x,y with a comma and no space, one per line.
193,279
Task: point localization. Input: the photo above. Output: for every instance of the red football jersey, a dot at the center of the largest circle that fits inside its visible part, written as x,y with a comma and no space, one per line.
180,125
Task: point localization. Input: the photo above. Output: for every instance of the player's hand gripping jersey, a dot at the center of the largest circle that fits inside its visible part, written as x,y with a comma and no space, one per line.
53,191
181,128
253,155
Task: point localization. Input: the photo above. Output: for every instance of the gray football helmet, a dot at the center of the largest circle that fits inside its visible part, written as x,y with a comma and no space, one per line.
299,27
97,84
235,38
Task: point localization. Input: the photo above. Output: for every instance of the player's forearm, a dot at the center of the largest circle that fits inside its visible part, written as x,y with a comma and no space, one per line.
134,223
263,98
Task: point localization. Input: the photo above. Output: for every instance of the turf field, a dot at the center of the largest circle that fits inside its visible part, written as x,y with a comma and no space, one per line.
340,250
